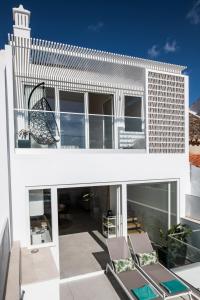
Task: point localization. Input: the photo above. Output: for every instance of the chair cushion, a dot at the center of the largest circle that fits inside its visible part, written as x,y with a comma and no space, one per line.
123,265
174,286
145,292
146,259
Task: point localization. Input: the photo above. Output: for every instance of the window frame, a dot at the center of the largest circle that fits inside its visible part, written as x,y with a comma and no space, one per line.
53,219
142,112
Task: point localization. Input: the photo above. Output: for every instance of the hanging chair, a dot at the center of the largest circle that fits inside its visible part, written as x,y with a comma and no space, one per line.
41,119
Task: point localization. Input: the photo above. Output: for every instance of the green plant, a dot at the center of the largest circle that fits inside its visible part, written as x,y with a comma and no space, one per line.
173,249
179,231
23,133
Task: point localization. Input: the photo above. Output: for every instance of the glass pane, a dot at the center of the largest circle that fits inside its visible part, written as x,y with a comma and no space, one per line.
71,102
149,204
40,216
72,130
173,203
36,129
38,94
133,124
50,96
100,104
132,114
101,132
132,106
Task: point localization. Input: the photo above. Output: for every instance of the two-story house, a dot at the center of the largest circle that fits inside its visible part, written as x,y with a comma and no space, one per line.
93,145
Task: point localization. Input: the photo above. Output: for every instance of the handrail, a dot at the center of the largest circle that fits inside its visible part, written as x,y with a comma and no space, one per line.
75,113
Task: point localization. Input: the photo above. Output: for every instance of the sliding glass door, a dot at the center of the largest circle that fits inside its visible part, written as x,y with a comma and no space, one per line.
153,206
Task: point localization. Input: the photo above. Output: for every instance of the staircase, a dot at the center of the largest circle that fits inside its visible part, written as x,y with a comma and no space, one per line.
133,226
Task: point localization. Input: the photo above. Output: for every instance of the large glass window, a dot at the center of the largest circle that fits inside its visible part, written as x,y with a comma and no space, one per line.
71,102
132,113
154,206
101,121
40,216
173,199
72,120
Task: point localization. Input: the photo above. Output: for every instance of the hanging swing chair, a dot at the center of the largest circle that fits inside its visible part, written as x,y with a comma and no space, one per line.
41,120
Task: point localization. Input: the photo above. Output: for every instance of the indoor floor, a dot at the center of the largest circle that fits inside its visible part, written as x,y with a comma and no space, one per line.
82,246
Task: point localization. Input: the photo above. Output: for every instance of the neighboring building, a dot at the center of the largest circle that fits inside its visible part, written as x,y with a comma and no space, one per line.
110,133
194,135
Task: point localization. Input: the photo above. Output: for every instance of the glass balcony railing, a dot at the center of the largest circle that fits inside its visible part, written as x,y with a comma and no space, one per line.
72,130
101,132
180,252
192,207
46,129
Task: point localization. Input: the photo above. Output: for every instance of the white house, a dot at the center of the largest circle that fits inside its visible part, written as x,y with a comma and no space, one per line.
84,132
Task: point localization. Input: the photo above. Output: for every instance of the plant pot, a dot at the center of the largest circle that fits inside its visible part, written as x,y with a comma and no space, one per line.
177,253
24,144
163,256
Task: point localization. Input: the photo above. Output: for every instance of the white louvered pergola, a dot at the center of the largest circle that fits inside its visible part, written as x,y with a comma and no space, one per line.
61,64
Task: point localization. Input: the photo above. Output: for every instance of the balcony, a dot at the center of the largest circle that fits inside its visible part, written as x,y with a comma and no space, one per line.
49,129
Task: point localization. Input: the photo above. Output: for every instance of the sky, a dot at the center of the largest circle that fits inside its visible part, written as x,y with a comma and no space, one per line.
163,30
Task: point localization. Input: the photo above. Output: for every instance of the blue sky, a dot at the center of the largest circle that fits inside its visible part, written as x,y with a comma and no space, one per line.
165,30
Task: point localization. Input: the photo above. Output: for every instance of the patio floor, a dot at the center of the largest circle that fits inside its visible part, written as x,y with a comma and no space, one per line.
87,253
94,288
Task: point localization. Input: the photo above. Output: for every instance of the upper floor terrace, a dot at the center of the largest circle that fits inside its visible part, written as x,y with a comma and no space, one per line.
94,99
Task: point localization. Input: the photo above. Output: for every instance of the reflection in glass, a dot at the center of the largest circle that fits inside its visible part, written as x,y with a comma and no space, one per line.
72,130
40,216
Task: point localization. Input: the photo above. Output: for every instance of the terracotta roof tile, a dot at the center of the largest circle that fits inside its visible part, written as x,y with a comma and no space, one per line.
194,121
195,160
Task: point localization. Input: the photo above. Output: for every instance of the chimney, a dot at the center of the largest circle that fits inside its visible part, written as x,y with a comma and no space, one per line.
21,18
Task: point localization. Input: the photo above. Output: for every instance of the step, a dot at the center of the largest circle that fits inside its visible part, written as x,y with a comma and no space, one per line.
135,231
131,219
133,225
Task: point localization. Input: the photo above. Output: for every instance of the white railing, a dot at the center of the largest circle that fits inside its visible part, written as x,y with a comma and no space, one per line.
78,130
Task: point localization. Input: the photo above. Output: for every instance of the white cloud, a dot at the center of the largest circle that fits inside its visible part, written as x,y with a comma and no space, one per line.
153,51
194,14
96,27
170,47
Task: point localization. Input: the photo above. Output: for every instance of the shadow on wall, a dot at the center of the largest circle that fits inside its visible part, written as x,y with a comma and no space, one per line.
4,258
195,179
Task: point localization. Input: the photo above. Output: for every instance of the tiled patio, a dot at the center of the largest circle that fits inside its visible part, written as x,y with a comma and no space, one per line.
86,252
101,287
94,288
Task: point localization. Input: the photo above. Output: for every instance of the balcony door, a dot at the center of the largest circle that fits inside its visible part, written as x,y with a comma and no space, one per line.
72,119
108,123
133,113
100,108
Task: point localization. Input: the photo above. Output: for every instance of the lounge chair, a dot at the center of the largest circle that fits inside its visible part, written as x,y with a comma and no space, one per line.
118,249
156,273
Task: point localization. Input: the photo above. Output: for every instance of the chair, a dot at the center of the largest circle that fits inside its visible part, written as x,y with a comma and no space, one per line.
118,249
155,273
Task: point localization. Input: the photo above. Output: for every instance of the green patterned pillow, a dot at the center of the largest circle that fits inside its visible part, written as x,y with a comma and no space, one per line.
123,265
146,259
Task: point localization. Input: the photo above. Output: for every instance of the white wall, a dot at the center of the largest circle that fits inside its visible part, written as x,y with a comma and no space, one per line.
62,167
4,163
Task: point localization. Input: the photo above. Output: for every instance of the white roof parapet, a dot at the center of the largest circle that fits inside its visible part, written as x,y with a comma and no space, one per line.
21,18
57,49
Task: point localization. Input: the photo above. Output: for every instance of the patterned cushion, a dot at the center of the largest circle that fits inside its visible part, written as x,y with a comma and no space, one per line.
146,259
123,265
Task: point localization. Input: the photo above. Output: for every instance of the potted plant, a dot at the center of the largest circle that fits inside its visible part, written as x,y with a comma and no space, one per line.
24,139
173,248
